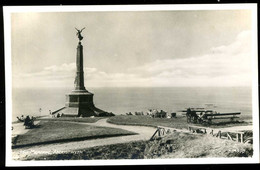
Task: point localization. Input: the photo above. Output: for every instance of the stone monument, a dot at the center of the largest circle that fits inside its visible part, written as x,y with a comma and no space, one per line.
80,101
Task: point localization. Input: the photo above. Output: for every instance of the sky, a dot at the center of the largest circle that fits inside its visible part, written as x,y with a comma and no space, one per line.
133,49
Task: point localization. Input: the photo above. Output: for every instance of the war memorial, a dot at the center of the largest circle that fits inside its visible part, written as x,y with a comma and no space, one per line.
153,123
80,101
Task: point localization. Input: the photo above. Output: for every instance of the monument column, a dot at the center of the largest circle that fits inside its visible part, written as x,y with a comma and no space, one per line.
79,79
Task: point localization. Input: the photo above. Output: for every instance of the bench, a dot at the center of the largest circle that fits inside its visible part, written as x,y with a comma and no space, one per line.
231,116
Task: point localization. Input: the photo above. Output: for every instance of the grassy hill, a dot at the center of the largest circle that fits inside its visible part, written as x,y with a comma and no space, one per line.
48,132
177,145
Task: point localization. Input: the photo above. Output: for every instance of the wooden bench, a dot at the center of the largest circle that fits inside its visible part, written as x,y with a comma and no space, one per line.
215,116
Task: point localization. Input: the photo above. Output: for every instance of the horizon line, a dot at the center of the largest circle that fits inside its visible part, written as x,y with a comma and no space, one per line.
141,87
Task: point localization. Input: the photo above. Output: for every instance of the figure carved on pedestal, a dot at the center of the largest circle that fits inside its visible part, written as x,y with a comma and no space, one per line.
79,33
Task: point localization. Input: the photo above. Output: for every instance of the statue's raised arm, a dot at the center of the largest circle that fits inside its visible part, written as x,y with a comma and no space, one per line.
79,33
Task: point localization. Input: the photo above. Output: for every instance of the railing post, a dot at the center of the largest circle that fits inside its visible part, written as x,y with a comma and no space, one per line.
219,134
229,137
154,134
241,137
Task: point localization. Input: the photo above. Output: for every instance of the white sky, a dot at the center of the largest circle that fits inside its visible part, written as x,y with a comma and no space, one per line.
140,49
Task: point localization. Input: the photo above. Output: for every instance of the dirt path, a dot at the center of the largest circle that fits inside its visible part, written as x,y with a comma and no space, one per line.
144,133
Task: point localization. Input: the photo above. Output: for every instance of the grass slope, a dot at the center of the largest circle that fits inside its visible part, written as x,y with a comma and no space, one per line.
132,150
177,145
58,131
147,121
179,122
186,145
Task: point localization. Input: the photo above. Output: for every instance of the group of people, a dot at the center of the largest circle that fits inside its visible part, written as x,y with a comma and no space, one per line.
57,115
193,117
201,117
152,113
28,121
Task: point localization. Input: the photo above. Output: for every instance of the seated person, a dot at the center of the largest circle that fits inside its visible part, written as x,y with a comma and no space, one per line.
21,119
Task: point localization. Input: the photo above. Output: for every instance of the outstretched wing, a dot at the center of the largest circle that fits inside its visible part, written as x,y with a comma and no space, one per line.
77,31
82,29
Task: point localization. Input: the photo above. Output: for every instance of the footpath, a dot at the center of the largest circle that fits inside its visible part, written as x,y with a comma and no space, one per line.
144,133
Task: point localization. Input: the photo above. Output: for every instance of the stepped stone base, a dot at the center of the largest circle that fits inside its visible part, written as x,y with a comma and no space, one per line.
79,103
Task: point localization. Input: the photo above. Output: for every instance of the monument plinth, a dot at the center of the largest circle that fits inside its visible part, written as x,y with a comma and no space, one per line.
80,101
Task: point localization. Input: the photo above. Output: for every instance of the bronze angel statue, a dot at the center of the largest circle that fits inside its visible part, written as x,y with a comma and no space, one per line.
79,33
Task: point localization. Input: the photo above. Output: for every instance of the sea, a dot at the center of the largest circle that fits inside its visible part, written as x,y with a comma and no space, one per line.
121,100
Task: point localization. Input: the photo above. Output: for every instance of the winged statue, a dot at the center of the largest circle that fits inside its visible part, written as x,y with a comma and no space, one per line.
79,33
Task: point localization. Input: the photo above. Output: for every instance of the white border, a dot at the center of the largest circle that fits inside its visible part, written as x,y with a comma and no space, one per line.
255,93
85,8
8,85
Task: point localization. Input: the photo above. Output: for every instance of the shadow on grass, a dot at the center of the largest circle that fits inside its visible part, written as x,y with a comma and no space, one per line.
37,126
67,140
74,119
